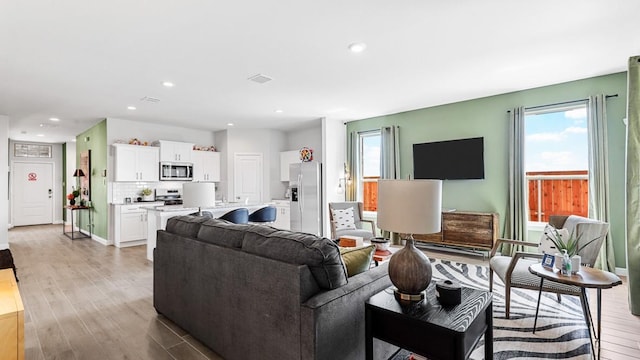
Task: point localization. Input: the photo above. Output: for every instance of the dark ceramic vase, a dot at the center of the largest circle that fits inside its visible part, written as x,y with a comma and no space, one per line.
72,202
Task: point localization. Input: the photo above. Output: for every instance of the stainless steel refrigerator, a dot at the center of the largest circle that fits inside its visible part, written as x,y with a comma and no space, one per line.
305,183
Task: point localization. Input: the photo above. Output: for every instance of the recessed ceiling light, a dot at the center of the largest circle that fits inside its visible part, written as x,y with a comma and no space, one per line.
279,111
41,125
54,119
357,47
41,135
167,84
131,107
73,140
229,124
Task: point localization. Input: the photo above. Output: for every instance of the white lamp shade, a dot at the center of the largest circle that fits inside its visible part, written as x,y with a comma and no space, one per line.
410,206
198,194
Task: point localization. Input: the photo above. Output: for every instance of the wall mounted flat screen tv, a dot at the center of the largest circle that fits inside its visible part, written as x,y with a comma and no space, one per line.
449,160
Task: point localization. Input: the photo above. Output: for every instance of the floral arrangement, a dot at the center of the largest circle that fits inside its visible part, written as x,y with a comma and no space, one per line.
72,196
571,244
146,192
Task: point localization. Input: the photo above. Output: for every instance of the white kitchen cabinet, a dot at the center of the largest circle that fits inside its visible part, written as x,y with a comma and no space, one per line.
283,215
175,151
130,224
206,166
287,158
136,163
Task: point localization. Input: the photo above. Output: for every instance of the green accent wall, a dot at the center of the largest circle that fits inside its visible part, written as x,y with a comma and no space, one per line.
488,117
64,180
95,139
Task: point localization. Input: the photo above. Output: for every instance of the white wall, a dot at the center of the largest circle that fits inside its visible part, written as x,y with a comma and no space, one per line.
58,187
4,185
277,144
334,145
310,137
120,129
265,141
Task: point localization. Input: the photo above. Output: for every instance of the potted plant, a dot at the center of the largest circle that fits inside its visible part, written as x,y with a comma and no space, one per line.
147,194
571,244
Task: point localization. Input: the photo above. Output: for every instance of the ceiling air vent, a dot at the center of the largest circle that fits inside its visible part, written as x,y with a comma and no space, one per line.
260,79
150,99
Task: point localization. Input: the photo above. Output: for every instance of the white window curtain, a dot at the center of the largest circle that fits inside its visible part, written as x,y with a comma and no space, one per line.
516,218
390,152
599,176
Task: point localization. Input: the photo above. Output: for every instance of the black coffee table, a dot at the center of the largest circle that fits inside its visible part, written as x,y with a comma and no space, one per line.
429,329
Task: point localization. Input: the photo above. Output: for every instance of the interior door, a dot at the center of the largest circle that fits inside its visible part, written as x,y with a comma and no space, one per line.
247,177
32,193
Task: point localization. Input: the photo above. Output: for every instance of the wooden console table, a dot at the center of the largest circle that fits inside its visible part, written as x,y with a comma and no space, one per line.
11,318
476,230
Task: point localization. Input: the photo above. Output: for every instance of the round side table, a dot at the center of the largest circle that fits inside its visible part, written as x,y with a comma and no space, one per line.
584,279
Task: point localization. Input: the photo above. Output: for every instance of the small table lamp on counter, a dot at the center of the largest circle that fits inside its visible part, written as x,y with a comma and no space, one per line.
410,207
198,194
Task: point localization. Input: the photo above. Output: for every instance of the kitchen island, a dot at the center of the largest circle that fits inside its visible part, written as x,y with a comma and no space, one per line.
158,216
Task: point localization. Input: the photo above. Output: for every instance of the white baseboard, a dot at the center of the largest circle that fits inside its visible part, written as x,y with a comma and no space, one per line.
622,271
100,240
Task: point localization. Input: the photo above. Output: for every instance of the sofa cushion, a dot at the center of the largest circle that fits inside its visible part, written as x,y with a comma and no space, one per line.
321,255
357,259
222,232
186,225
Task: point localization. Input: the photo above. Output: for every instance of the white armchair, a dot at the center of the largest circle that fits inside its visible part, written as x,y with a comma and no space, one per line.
352,227
514,270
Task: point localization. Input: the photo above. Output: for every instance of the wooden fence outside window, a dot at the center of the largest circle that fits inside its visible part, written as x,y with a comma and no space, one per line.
558,193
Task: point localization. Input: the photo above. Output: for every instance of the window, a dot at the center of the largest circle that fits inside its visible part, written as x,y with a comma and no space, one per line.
32,150
556,161
368,171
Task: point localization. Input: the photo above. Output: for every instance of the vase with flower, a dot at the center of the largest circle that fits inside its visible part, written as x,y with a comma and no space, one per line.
72,197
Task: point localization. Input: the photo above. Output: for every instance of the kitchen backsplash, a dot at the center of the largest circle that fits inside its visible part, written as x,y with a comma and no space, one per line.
122,190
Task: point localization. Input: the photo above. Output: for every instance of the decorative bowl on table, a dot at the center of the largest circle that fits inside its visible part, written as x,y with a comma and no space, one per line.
380,243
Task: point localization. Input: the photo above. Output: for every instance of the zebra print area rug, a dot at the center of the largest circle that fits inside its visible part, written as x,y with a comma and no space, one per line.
561,332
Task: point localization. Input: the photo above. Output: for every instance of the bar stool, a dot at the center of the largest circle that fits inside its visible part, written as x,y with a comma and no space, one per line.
237,216
266,214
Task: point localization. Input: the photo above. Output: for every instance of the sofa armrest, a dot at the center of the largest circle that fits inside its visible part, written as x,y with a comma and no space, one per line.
332,322
355,283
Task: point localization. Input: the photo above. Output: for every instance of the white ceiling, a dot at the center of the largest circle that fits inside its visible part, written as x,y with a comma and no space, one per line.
82,61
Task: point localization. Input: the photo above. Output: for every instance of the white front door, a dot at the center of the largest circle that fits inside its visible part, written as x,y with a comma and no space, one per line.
32,193
247,177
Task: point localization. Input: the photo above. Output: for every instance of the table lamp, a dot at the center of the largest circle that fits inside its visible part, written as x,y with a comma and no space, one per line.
198,194
410,207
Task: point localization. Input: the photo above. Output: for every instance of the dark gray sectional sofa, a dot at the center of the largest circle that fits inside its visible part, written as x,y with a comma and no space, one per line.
256,292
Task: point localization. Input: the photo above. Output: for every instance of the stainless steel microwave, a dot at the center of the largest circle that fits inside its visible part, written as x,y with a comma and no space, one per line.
171,171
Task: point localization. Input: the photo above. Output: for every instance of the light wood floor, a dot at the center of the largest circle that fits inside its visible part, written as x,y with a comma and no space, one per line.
87,301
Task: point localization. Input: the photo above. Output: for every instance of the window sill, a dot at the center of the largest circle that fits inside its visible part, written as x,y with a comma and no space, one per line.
536,226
